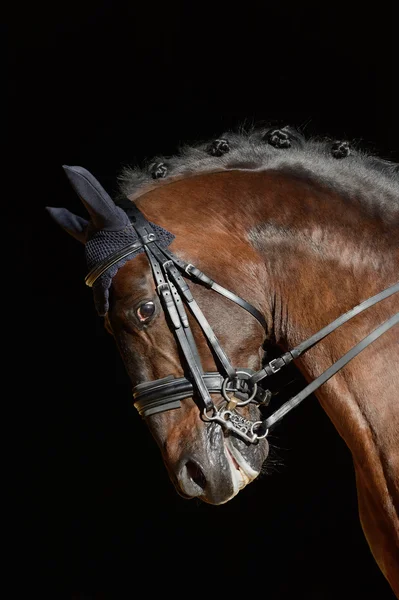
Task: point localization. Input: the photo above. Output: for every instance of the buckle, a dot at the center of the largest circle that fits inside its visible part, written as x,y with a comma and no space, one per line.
199,275
168,264
162,287
276,364
263,397
189,268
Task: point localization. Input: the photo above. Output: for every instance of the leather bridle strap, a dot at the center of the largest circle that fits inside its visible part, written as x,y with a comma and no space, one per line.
159,259
165,394
200,277
169,301
184,291
278,363
314,385
104,265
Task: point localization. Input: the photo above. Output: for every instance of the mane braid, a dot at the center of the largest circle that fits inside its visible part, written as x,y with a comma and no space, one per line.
340,165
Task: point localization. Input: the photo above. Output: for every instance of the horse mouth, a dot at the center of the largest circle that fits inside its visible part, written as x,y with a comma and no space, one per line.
241,472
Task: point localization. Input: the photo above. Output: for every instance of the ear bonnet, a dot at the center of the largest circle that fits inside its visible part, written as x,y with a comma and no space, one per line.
109,231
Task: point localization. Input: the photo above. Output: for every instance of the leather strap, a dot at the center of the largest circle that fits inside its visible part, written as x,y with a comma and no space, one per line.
200,277
165,394
160,259
275,365
169,300
203,322
310,342
138,220
95,273
326,375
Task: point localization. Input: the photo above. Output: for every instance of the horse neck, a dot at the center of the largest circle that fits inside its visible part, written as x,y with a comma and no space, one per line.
323,255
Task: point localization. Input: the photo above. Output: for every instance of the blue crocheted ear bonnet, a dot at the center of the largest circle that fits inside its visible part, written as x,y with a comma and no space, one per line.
108,231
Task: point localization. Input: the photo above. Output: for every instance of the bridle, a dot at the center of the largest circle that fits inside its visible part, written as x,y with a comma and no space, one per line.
170,274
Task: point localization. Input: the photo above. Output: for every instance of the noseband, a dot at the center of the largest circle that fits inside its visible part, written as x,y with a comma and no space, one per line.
244,385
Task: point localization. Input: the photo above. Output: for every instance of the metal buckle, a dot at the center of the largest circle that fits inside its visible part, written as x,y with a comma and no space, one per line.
168,264
263,397
162,287
273,363
188,268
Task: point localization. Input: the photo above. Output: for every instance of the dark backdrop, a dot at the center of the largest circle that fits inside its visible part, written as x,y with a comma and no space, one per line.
102,85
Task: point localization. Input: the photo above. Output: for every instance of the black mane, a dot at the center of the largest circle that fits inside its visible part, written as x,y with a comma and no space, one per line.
343,166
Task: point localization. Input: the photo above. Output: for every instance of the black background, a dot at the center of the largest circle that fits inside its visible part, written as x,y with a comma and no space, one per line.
106,84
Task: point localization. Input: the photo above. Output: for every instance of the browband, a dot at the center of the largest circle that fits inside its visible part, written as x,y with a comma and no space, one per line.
106,264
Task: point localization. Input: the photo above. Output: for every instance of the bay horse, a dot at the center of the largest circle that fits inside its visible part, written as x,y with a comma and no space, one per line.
292,233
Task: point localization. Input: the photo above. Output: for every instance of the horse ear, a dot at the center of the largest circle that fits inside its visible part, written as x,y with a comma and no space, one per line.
103,211
74,225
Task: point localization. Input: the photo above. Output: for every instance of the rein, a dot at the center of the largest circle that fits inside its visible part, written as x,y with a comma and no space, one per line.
164,394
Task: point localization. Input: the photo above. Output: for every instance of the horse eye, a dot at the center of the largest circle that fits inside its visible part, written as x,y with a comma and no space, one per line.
145,311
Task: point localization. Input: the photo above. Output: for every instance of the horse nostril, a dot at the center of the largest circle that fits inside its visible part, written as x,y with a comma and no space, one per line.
194,471
191,479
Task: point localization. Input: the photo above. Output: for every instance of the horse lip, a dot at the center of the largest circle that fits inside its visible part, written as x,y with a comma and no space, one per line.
246,471
233,460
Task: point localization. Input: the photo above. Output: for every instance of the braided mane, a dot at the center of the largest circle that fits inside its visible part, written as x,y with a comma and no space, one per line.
341,165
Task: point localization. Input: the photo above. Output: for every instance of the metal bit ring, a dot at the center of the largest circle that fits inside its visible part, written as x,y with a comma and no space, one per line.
244,402
259,437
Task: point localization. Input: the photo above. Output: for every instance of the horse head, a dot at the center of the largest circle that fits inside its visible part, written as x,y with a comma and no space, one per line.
203,459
